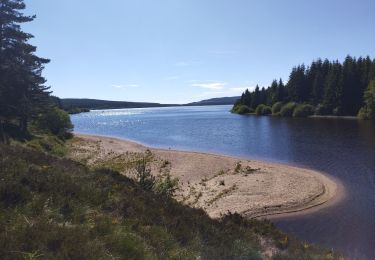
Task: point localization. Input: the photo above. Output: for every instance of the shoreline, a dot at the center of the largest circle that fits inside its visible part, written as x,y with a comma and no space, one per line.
271,190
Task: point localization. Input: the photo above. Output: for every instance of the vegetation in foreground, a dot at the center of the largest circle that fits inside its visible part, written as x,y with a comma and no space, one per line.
324,88
54,208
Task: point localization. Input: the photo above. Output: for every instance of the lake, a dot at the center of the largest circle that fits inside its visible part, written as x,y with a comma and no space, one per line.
343,148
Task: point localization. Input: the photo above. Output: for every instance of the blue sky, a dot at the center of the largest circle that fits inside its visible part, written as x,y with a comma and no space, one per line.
177,51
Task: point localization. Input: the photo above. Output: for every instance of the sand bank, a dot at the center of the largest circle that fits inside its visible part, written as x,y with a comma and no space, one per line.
219,184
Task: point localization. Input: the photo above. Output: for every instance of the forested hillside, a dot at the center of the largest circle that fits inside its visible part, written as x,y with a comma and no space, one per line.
328,87
215,101
85,104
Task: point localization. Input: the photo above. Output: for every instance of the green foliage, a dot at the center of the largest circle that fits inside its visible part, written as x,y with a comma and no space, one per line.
288,109
143,173
48,143
77,110
276,108
165,184
22,91
303,110
56,122
54,208
263,110
242,109
368,110
339,86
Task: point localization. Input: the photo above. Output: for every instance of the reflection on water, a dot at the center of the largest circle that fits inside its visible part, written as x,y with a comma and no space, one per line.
340,147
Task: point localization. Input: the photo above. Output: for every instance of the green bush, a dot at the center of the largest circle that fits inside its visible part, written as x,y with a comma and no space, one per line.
165,184
287,110
56,122
143,173
263,110
259,110
303,110
48,144
242,109
368,111
267,110
276,108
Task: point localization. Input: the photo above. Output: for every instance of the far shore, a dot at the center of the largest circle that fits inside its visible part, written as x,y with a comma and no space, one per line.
221,184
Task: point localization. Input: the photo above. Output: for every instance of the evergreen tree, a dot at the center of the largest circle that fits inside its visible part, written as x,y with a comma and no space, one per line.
334,87
297,90
280,92
255,98
22,91
272,95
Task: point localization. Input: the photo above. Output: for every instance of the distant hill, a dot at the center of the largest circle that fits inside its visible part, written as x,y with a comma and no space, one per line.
95,104
215,101
78,105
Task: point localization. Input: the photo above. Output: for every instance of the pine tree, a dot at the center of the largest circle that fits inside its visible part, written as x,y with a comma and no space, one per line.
272,93
280,92
297,85
335,87
256,98
22,90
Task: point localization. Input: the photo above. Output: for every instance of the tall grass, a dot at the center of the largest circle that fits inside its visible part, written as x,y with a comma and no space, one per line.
54,208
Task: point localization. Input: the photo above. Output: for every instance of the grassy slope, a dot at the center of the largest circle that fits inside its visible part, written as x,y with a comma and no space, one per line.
54,208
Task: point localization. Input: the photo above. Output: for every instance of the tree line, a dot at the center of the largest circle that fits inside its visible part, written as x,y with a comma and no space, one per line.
330,87
24,97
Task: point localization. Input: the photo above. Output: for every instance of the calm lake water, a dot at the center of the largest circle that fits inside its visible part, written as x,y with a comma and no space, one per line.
343,148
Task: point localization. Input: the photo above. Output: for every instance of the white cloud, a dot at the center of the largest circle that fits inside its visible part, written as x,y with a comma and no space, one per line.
212,85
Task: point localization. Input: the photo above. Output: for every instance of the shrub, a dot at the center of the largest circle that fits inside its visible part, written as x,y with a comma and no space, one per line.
143,174
48,144
303,110
56,122
262,110
368,111
287,110
242,109
259,110
166,185
276,108
267,110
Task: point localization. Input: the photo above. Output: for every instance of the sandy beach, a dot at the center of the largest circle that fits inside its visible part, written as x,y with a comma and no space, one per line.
219,184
